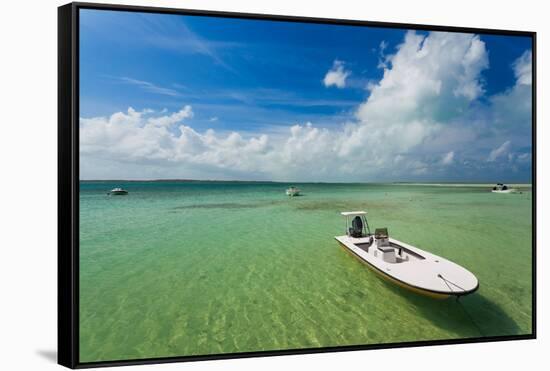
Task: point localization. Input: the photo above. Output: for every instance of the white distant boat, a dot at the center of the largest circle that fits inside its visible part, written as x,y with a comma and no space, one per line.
293,191
117,192
403,264
503,188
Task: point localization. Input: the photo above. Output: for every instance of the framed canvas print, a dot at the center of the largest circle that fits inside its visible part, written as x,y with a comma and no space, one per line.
235,185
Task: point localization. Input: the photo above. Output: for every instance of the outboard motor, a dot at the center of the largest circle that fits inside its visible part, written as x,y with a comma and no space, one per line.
356,229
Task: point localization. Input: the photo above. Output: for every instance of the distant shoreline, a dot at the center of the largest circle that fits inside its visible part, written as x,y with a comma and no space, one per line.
434,184
465,184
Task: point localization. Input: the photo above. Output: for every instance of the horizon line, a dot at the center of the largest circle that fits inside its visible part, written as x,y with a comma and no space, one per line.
298,182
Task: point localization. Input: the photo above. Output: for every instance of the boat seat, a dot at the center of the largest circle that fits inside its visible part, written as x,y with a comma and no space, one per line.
381,233
386,248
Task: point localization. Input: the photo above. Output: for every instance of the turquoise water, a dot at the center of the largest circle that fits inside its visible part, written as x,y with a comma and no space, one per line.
195,268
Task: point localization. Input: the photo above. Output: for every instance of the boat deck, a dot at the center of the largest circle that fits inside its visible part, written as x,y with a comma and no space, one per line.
419,270
406,255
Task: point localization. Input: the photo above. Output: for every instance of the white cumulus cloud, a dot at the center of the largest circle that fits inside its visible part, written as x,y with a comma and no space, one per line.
164,141
448,158
430,82
337,75
499,151
511,110
184,113
523,68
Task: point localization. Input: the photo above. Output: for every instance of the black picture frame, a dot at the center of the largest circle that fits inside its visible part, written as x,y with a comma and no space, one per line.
68,182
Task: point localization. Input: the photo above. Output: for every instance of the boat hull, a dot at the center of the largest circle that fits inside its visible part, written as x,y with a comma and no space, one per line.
425,276
416,290
118,193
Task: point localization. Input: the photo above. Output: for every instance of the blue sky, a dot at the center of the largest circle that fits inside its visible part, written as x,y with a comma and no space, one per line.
297,101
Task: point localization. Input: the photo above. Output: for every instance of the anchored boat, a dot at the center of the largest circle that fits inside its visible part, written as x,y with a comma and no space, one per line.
503,188
117,192
403,264
293,191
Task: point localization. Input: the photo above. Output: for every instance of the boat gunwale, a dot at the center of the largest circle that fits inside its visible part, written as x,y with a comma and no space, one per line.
427,291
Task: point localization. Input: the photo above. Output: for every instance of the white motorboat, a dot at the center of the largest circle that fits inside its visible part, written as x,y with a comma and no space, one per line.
117,192
293,191
403,264
503,188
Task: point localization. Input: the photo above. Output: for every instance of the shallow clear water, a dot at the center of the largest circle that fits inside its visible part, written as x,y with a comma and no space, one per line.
181,268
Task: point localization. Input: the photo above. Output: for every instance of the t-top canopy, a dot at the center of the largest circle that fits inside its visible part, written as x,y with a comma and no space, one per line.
353,213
